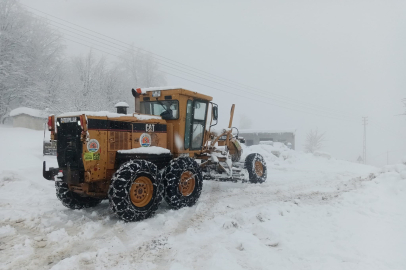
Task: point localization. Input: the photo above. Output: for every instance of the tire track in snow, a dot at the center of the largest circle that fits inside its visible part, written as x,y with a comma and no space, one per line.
155,249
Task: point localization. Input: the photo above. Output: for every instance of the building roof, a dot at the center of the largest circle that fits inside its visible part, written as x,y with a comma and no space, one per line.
30,112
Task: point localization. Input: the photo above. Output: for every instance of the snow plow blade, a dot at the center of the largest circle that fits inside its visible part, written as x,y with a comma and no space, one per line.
49,175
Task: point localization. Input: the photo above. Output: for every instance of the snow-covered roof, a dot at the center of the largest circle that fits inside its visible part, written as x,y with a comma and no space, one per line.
29,111
160,88
121,104
146,150
110,115
267,131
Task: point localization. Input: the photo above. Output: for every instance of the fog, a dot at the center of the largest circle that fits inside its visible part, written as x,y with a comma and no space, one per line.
299,64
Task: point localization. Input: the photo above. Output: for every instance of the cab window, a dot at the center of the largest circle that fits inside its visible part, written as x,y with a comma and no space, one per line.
168,109
198,125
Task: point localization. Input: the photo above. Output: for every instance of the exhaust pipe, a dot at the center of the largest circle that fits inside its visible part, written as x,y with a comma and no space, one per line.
137,94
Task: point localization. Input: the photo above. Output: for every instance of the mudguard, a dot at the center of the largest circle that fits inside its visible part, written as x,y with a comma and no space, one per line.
49,175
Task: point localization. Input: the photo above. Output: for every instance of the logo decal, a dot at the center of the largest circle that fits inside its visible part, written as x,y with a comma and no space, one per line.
145,140
88,156
93,145
149,127
91,156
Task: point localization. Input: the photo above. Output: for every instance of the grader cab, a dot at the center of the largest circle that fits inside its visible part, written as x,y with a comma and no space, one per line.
163,150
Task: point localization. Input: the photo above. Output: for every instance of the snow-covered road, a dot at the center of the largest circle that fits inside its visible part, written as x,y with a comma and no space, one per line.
312,213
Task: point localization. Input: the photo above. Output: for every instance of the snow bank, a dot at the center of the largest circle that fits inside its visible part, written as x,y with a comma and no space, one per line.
270,151
29,111
110,115
156,150
311,213
395,168
322,154
7,231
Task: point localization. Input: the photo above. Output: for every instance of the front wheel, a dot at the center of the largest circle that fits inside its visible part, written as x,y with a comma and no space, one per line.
183,182
73,200
135,191
256,167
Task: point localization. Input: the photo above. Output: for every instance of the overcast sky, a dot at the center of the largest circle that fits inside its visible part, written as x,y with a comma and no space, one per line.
347,57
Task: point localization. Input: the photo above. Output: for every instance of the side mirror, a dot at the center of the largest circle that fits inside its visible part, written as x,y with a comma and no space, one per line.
215,113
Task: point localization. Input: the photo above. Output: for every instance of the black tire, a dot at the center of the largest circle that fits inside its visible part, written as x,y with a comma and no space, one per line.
256,176
119,190
71,199
172,177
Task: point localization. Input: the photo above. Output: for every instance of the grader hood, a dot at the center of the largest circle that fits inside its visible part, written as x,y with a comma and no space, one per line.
88,142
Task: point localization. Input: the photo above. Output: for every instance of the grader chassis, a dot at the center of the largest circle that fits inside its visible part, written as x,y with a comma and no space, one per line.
135,160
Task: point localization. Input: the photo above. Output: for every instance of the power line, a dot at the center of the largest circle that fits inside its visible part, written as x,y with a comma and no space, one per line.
189,74
290,100
222,90
215,88
119,50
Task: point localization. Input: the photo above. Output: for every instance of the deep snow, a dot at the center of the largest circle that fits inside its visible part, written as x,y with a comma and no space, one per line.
312,213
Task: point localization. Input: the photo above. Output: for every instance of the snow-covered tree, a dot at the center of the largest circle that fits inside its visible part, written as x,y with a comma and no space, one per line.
30,57
94,84
34,72
314,141
140,69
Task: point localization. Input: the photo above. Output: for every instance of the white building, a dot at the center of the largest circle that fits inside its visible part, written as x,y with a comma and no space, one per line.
29,118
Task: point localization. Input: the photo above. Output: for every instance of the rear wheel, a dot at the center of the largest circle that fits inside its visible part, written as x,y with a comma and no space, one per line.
183,182
135,191
73,200
256,167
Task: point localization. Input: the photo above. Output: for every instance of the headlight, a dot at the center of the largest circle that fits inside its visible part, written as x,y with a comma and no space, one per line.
156,93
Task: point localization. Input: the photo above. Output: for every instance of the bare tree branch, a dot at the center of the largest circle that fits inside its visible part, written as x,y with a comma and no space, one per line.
314,141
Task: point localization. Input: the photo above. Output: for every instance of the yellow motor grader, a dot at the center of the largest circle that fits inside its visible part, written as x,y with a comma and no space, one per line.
163,150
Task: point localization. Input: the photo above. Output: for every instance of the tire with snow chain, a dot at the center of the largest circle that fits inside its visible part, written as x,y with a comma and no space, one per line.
135,191
72,200
183,182
256,167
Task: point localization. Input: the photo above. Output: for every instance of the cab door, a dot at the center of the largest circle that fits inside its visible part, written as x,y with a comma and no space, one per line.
196,111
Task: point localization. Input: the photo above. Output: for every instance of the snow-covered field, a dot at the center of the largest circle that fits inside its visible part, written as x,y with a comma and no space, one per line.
312,213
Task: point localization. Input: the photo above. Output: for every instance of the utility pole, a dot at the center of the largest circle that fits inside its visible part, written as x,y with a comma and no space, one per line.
364,152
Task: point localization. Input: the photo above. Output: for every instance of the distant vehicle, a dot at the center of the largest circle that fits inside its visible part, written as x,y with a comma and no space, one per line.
134,160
